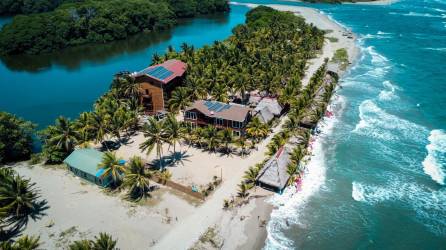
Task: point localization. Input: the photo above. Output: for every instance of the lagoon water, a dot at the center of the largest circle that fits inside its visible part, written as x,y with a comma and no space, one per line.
377,178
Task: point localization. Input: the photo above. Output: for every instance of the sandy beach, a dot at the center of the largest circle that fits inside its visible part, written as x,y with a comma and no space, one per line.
211,214
378,2
170,220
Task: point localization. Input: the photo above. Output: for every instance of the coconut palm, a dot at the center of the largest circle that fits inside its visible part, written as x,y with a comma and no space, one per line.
64,134
164,176
179,100
174,131
243,190
226,137
212,137
104,242
81,245
23,243
112,166
251,175
137,179
242,143
18,202
27,243
155,136
99,125
256,129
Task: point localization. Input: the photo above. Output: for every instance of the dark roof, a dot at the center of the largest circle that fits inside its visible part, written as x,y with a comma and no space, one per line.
164,72
231,111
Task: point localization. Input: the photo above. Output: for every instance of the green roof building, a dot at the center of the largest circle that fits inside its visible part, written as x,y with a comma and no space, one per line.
84,163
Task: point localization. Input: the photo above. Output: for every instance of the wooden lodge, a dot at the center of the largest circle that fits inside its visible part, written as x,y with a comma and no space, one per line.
157,82
218,114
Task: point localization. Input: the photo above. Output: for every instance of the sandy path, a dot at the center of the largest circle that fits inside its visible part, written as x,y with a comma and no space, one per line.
210,213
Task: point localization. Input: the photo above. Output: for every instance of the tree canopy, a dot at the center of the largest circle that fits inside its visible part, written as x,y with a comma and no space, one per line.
96,21
15,138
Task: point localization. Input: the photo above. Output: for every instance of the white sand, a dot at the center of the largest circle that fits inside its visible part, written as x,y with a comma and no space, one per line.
211,213
74,202
91,211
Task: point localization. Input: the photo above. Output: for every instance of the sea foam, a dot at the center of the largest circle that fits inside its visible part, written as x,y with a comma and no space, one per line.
388,93
375,122
427,204
435,162
291,202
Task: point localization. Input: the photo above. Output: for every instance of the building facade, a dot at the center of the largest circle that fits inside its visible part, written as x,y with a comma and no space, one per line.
157,82
220,115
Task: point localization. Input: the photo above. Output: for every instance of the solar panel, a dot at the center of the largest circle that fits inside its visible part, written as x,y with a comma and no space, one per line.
159,72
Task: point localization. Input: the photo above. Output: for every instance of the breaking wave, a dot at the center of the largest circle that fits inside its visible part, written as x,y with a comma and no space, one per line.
291,202
388,93
435,161
375,122
427,204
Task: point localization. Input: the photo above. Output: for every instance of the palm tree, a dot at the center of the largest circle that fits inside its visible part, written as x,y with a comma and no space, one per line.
174,131
164,176
179,100
256,129
81,245
251,175
64,134
23,243
27,243
243,190
242,143
155,137
212,137
137,179
104,242
18,198
226,137
112,166
99,125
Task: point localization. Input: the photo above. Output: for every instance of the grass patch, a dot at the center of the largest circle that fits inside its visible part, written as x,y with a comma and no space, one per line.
333,39
341,57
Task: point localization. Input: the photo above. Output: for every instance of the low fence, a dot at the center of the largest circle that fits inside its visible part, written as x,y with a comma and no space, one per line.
185,189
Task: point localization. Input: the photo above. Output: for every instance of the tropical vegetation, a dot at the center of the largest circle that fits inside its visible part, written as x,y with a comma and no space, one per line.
19,201
23,243
16,138
103,241
94,21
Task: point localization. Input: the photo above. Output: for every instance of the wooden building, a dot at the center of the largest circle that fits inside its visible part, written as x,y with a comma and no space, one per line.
157,82
218,114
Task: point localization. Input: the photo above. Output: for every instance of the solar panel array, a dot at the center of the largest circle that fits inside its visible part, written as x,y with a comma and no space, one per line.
216,106
158,72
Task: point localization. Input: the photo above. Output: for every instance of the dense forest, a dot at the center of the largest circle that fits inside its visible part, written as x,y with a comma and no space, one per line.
96,21
13,7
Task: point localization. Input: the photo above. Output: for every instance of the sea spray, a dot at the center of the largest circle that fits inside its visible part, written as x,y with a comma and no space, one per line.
291,202
435,162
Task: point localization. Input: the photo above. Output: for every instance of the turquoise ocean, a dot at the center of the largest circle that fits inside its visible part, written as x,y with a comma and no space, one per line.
376,179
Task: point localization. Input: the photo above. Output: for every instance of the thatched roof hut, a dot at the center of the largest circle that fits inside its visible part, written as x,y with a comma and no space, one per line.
274,174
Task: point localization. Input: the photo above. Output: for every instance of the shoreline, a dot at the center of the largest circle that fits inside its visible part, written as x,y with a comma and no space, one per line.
346,39
378,2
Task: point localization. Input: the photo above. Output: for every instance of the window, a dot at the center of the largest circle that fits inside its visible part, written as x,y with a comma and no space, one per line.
236,124
219,121
147,91
236,133
190,115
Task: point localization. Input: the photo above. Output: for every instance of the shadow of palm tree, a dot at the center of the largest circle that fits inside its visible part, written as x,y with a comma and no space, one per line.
171,160
13,225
